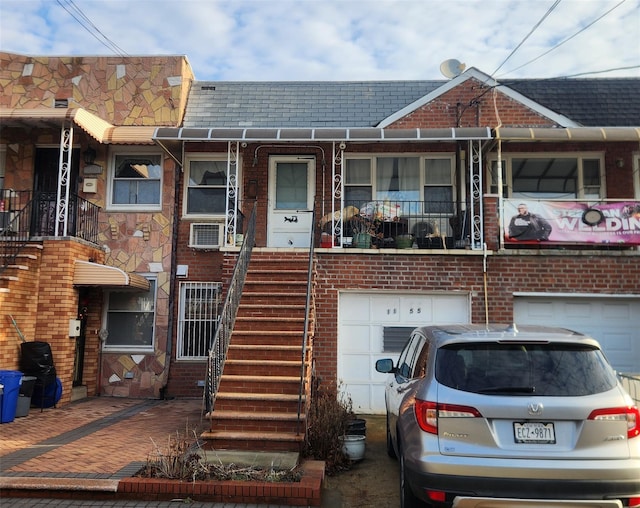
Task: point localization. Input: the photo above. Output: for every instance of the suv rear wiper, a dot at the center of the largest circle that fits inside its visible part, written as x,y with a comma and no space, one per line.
508,389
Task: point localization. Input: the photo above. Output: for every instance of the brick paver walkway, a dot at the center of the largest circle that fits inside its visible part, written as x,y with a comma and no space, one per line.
99,438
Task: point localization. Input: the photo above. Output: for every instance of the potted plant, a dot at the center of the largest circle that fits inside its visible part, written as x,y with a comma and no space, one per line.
363,230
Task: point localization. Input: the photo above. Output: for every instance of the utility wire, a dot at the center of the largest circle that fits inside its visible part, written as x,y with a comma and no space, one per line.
549,11
568,38
84,21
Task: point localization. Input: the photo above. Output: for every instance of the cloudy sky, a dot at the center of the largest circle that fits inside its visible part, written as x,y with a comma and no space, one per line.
258,40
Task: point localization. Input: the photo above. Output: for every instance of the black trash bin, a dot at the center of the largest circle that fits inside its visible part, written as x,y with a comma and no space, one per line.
36,359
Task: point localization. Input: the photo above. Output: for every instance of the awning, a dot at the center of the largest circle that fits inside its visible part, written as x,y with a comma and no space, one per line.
86,273
99,129
568,134
321,134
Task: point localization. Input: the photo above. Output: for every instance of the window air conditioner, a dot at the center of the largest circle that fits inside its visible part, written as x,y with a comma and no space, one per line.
205,235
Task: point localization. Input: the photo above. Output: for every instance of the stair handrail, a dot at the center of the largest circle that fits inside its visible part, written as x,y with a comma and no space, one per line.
15,236
222,337
307,314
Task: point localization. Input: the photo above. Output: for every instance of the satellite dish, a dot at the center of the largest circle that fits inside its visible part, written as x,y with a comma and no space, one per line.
451,68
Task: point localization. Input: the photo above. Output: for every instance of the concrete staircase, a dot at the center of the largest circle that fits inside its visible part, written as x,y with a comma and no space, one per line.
257,403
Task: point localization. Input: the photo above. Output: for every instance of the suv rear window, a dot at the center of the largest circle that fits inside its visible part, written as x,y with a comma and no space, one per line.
524,369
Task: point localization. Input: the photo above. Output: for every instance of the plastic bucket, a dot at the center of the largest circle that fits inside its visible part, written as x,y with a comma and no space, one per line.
11,380
48,395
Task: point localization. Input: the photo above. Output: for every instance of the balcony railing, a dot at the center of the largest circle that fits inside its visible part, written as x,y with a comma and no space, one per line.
25,215
392,224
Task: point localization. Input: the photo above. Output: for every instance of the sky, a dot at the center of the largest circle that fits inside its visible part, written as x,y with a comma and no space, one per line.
338,40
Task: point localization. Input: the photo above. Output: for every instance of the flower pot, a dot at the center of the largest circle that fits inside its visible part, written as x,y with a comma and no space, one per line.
404,241
353,446
362,241
357,427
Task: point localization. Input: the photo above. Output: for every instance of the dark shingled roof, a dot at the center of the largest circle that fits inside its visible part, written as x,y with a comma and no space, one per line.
590,102
605,102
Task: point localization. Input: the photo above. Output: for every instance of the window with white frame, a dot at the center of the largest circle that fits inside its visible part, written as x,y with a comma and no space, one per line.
198,320
419,184
206,186
131,319
135,179
547,176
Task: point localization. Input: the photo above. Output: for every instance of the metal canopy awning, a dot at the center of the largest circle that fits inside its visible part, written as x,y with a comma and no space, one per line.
568,134
99,129
323,134
86,273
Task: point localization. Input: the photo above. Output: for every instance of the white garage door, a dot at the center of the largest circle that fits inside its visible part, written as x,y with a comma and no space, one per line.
614,322
373,326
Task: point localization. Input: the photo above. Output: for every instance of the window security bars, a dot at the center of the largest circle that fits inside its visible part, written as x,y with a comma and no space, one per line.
199,307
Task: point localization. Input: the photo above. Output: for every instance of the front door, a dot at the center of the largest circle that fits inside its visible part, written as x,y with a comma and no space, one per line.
45,190
291,193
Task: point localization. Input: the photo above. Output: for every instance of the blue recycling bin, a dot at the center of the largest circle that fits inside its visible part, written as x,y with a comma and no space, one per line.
10,381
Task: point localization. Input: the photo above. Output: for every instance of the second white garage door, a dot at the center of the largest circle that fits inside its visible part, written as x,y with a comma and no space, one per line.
614,322
376,325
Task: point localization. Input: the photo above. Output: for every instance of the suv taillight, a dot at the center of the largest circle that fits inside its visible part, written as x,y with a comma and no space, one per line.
630,414
427,414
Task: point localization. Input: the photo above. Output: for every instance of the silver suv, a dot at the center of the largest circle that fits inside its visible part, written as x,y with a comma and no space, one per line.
506,416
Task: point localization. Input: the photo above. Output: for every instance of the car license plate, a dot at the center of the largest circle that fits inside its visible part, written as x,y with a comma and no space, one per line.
534,432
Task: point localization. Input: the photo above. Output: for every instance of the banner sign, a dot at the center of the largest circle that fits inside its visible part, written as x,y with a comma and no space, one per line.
529,221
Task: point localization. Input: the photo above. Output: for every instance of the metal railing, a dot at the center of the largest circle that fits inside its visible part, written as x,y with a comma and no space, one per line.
24,215
631,383
222,337
310,301
385,220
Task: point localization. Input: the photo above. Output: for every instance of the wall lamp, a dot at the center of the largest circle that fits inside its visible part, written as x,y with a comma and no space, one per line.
90,167
89,156
620,163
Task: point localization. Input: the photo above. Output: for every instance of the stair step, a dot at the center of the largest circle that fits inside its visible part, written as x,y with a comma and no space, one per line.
272,306
268,319
257,396
260,384
251,440
254,421
257,416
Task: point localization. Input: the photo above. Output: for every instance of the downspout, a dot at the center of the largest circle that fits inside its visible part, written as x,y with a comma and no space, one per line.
484,277
172,276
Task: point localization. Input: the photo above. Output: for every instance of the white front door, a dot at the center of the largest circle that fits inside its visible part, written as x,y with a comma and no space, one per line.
291,193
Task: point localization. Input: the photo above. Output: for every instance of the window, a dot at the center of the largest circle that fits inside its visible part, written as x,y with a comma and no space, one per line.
206,187
438,186
199,308
407,362
550,177
548,370
131,319
136,180
419,184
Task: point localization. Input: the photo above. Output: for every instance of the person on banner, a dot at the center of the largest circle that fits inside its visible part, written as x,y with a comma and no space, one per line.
528,226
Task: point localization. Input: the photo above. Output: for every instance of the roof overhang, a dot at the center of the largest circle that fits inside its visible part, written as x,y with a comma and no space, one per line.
96,127
323,134
568,134
86,273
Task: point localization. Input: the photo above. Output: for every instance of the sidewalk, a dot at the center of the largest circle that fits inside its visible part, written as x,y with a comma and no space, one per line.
89,446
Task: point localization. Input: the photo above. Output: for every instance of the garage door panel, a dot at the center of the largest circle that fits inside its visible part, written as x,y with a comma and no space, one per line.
577,310
358,309
414,310
358,339
619,311
615,323
363,318
385,309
